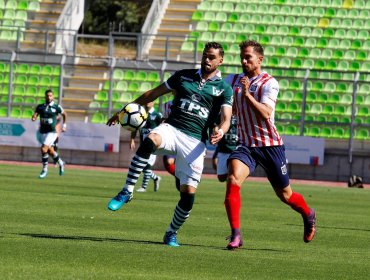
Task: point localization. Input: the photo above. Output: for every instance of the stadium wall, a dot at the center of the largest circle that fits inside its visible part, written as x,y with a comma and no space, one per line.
336,165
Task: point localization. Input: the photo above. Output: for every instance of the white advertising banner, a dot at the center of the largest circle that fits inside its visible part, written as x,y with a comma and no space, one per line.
79,135
298,149
304,150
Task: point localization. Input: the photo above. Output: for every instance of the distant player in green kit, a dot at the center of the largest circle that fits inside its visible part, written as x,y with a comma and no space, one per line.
48,113
223,150
154,119
201,95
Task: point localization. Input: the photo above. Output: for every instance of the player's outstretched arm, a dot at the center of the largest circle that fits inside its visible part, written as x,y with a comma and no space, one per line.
152,94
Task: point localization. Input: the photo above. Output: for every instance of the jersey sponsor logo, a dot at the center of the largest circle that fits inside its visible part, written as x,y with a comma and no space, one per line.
284,169
193,108
253,88
217,92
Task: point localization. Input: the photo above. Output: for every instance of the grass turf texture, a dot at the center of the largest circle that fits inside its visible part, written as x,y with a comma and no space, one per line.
60,228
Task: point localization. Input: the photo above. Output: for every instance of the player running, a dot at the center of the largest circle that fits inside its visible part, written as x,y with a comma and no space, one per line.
255,94
200,96
48,113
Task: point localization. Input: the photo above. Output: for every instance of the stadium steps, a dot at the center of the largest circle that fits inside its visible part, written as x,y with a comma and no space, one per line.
176,21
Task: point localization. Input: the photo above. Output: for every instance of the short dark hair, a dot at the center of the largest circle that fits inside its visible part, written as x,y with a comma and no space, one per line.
48,90
257,47
214,45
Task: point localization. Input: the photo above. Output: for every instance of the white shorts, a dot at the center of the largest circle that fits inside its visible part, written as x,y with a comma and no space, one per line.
190,153
222,163
152,159
47,139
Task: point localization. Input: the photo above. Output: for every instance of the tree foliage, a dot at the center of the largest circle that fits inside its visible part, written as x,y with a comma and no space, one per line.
103,16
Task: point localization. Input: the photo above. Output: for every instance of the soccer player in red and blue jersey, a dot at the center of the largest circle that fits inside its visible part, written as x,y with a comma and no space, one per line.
255,95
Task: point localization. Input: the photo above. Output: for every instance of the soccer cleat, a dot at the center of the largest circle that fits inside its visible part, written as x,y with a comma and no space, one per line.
170,239
43,174
156,183
234,242
141,189
61,169
121,198
309,226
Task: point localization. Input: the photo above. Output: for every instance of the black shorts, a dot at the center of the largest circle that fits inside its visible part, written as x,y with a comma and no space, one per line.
271,159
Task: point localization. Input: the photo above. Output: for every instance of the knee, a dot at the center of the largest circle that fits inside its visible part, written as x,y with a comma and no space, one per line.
284,194
233,179
44,149
156,139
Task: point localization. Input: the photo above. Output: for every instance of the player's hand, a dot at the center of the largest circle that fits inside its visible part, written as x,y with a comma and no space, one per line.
132,144
245,84
216,135
113,120
64,127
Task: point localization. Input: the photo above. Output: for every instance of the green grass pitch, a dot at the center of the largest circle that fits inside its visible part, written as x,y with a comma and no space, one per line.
60,228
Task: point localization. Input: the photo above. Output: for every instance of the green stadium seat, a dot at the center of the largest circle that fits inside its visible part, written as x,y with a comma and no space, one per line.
34,6
197,16
362,133
291,129
141,76
133,87
214,26
202,26
27,113
16,112
129,75
98,117
233,17
118,74
101,96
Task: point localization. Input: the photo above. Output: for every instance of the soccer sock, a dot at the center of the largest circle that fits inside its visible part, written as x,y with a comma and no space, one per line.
45,159
153,175
138,162
182,211
146,177
297,202
57,159
233,205
171,168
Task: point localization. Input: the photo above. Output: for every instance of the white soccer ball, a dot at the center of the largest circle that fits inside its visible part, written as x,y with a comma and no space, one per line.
132,116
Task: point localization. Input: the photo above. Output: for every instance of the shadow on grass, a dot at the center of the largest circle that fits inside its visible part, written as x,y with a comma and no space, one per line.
105,239
339,228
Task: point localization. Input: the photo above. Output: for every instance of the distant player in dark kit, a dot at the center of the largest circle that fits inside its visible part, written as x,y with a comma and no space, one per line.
223,150
154,119
255,95
201,95
49,112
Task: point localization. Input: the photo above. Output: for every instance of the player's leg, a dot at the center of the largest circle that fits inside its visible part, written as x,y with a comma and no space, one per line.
146,177
221,167
238,172
169,164
159,138
156,179
190,151
51,139
277,173
138,163
45,161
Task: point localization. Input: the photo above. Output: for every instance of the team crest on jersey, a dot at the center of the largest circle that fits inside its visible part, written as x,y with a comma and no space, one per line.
284,170
217,92
253,88
196,97
53,110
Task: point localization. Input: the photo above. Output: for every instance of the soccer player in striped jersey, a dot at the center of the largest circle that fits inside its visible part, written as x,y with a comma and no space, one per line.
49,112
201,95
255,96
154,119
